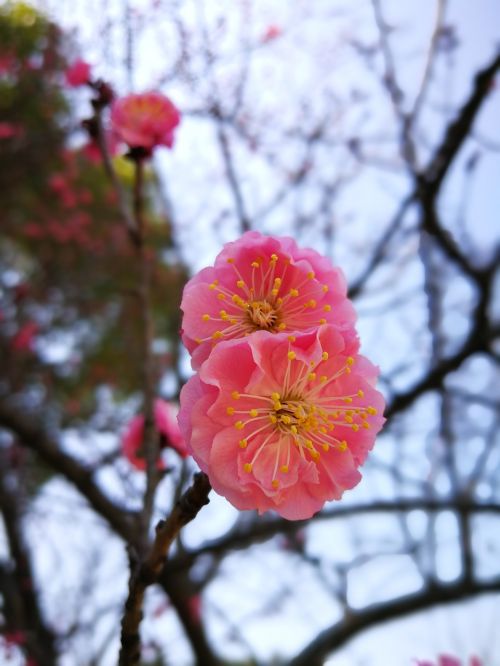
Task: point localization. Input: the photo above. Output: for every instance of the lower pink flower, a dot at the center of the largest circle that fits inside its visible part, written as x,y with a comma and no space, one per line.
282,421
167,428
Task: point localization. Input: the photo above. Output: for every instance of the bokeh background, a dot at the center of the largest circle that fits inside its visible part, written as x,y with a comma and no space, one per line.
367,129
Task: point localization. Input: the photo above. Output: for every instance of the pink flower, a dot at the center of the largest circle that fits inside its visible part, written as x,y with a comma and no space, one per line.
447,660
78,74
167,428
262,283
282,422
10,130
272,32
145,121
23,340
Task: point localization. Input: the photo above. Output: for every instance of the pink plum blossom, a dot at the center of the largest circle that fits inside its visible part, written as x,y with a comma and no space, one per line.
78,74
448,660
167,428
282,421
262,283
145,120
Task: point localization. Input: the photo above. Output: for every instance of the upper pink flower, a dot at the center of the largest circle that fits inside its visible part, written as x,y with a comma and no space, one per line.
145,120
262,283
167,428
281,421
78,74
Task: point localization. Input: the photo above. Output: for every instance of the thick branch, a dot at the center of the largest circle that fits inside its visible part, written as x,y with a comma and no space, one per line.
149,570
37,439
357,621
40,640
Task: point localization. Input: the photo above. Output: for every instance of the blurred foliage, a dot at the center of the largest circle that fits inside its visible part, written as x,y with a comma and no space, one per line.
69,319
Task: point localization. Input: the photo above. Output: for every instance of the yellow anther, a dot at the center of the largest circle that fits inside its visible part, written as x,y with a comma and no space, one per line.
240,284
273,418
291,355
325,288
205,317
284,469
311,304
277,405
255,264
230,410
274,257
243,443
323,379
315,455
235,395
327,308
275,396
285,419
279,301
274,292
275,483
282,326
349,360
365,425
322,321
221,297
254,412
372,410
348,419
311,376
309,443
325,447
348,371
230,260
233,321
343,445
294,292
277,282
247,467
310,275
291,338
324,356
347,400
355,427
239,425
294,429
361,393
212,286
217,335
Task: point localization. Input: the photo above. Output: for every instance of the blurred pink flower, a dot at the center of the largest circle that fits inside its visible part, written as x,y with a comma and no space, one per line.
10,130
78,74
282,421
23,340
145,120
167,428
263,283
272,32
447,660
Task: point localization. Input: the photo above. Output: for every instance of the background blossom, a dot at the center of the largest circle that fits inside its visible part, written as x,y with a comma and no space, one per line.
167,428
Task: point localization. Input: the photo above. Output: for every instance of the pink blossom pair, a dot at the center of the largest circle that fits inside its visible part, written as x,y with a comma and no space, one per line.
283,409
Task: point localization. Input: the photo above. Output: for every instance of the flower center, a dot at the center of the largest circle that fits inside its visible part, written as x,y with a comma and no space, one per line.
261,314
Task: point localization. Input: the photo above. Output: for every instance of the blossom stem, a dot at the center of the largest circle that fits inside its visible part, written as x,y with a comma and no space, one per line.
150,441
